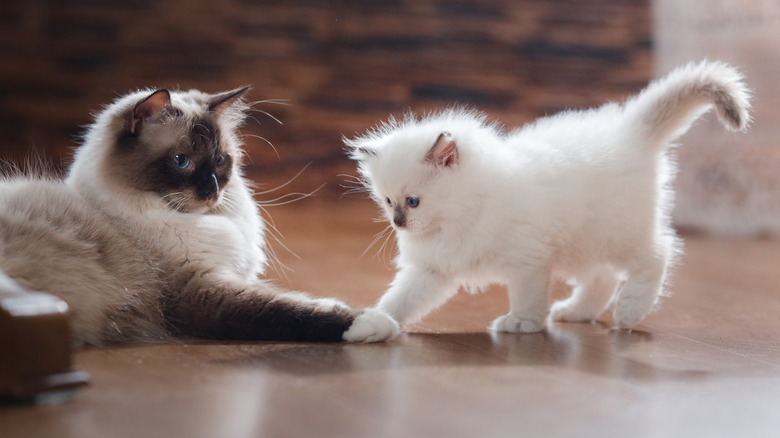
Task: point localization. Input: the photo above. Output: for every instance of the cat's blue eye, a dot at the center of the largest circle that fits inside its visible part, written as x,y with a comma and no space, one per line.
389,202
412,202
181,161
220,160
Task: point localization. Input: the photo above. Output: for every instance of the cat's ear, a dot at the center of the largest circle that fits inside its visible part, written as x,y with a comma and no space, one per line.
222,101
150,110
444,152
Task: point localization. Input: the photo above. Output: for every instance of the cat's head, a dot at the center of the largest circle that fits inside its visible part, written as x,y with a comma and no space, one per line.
181,146
413,169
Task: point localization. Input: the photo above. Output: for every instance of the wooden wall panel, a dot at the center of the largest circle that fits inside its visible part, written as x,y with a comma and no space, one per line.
342,65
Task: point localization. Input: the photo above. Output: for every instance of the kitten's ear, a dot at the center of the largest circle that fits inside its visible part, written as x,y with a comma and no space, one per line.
363,153
361,149
150,110
222,101
444,152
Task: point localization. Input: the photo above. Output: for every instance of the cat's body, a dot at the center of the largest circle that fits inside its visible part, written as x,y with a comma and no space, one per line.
582,196
154,232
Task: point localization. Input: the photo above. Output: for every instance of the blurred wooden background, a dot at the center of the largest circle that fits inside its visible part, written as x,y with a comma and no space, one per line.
342,65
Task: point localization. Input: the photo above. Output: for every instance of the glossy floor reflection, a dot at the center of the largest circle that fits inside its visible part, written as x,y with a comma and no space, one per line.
706,364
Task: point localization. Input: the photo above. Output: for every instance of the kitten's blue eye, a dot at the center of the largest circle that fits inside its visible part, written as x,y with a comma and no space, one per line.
181,161
220,160
412,202
388,201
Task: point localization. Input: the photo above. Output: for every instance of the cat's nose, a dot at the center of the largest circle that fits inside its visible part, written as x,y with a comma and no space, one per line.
214,183
207,186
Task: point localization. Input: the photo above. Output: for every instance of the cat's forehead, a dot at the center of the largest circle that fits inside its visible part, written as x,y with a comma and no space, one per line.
191,102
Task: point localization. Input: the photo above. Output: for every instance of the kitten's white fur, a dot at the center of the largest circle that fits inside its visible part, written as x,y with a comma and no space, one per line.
582,195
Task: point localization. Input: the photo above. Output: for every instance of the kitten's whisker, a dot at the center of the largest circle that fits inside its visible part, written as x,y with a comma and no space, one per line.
386,233
375,239
385,248
353,184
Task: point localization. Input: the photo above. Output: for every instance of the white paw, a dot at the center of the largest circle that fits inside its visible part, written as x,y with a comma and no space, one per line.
372,326
513,324
565,312
630,311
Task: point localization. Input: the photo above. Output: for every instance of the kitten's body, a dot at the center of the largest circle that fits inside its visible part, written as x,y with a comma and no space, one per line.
155,232
582,196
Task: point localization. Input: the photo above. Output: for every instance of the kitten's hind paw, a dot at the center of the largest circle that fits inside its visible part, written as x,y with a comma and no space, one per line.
513,324
372,326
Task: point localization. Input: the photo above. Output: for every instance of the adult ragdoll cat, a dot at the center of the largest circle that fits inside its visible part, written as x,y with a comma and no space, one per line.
154,233
582,196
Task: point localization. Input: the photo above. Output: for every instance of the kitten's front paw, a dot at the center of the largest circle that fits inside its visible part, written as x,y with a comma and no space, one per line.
564,311
513,324
372,326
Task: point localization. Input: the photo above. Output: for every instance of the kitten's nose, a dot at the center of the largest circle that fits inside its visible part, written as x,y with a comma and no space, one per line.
399,219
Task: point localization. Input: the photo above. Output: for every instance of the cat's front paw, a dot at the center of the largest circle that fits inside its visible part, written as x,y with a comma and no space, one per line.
331,304
513,324
372,326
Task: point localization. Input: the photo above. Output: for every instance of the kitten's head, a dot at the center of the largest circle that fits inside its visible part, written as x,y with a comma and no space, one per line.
180,146
413,169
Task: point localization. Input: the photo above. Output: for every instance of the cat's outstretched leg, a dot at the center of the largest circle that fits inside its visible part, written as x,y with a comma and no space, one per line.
260,311
414,293
527,303
589,298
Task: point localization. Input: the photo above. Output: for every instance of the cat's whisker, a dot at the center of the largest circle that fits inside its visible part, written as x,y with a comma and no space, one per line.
271,101
288,182
276,152
277,238
269,116
289,198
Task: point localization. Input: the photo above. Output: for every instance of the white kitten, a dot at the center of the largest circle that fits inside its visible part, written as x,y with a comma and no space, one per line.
582,195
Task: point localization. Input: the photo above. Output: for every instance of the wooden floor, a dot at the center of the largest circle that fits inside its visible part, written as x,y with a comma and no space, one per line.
707,364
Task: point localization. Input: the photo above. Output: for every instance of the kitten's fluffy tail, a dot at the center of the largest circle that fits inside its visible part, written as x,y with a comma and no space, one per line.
668,106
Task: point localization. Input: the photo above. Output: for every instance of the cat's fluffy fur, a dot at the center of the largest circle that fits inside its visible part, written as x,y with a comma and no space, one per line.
154,232
582,195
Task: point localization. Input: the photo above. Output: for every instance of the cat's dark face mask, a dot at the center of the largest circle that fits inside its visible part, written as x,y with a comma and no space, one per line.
180,153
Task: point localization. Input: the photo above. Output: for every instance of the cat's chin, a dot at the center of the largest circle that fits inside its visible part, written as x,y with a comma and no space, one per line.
200,207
